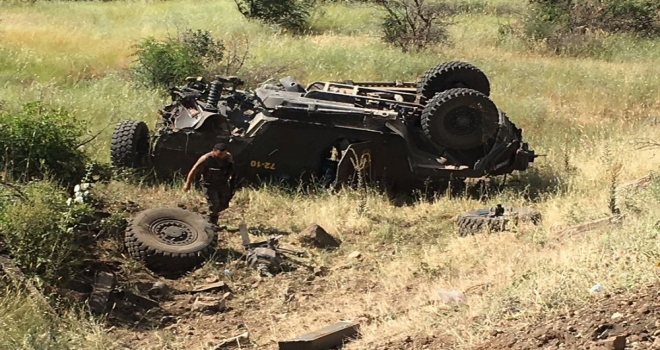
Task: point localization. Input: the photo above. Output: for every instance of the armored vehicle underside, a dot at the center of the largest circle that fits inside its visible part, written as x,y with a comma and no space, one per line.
402,134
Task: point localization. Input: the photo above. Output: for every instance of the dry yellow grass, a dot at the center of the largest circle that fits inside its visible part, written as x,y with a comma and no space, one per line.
585,114
409,253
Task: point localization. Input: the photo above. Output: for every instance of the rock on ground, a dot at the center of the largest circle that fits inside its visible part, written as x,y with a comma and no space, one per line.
316,235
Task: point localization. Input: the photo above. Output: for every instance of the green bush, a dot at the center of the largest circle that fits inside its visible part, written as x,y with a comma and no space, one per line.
43,232
632,16
40,142
577,27
413,25
160,63
291,15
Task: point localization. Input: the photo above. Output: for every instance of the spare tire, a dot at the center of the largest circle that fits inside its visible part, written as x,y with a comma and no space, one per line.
494,219
452,74
170,239
130,144
460,119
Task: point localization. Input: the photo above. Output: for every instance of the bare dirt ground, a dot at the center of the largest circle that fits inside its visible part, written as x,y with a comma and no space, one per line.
620,320
268,309
389,284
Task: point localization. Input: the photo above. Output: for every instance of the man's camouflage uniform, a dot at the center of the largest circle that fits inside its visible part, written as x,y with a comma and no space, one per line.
215,182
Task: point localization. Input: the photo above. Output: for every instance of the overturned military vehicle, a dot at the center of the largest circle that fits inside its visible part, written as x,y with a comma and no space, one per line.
401,134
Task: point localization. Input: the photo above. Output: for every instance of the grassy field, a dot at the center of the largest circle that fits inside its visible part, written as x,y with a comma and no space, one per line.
585,114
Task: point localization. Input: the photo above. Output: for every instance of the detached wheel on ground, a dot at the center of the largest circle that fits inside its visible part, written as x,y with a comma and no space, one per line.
452,74
495,219
130,144
170,239
460,119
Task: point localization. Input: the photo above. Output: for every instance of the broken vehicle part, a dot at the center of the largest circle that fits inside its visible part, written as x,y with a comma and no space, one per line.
273,243
587,226
266,261
264,256
220,285
325,338
400,134
106,296
236,341
170,239
99,300
494,219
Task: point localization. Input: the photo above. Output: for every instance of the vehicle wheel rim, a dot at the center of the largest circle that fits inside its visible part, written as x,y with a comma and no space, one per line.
463,121
173,232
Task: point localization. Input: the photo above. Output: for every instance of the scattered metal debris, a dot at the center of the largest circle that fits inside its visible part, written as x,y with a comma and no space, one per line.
267,261
137,301
210,287
588,226
208,306
271,243
325,338
105,296
99,300
265,256
159,290
494,219
233,341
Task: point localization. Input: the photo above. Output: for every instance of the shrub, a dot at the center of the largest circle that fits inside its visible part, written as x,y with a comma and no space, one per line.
413,25
291,15
160,63
43,233
567,26
41,141
632,16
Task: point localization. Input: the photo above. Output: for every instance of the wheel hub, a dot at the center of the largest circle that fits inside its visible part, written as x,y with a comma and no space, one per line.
173,232
463,120
496,211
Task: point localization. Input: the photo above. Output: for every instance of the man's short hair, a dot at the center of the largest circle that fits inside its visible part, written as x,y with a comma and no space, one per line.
220,147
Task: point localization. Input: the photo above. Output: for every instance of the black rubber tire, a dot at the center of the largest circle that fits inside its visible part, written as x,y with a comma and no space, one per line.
130,144
452,74
438,114
145,245
475,221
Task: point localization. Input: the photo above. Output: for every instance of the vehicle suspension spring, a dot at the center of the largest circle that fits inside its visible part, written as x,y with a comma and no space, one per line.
214,93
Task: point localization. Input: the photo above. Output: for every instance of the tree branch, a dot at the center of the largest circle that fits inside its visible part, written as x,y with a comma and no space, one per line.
17,191
93,137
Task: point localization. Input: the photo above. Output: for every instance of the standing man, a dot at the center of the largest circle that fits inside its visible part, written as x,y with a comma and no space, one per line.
216,168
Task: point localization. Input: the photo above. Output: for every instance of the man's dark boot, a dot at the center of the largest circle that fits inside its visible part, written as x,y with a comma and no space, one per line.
213,219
